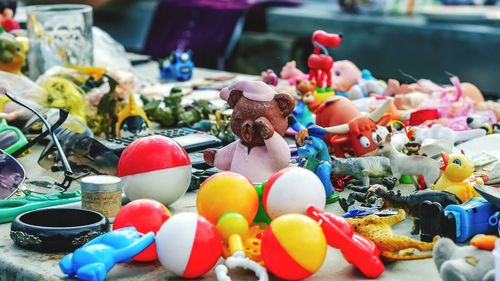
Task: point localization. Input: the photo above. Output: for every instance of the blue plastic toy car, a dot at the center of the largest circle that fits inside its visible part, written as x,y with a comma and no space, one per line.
178,66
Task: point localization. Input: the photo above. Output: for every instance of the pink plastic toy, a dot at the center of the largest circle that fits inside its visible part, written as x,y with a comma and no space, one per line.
291,73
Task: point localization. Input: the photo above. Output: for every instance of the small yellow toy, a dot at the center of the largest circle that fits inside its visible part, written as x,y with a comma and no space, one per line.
62,93
132,120
12,53
457,171
391,246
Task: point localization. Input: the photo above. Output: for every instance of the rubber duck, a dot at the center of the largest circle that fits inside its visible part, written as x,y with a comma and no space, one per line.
457,171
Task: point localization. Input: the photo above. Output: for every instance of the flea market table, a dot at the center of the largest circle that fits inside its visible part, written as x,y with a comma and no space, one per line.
19,264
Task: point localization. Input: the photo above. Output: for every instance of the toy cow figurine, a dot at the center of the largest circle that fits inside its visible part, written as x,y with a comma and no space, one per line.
320,65
356,135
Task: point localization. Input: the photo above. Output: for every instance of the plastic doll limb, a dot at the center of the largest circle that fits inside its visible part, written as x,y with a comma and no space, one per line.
92,272
238,259
66,265
135,248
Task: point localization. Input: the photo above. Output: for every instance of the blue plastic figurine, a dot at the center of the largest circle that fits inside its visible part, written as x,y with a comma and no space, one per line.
315,157
178,66
93,260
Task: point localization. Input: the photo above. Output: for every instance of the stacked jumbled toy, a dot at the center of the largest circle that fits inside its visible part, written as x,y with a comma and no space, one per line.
266,209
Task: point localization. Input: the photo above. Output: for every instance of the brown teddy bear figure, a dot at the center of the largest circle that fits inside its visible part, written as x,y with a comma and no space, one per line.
259,120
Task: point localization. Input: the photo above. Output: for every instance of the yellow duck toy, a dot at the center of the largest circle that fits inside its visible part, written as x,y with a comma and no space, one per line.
457,170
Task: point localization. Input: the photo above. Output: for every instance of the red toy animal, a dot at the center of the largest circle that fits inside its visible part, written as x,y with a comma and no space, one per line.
348,130
319,64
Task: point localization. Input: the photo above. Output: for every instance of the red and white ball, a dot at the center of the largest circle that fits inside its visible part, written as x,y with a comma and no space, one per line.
188,245
292,190
155,167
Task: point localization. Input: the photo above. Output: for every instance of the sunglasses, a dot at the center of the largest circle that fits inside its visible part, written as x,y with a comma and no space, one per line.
68,172
85,155
11,138
12,175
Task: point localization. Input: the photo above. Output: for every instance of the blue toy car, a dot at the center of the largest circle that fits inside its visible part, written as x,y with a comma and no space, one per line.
178,66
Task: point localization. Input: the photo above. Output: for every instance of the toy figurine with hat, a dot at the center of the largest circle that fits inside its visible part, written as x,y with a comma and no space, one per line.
259,120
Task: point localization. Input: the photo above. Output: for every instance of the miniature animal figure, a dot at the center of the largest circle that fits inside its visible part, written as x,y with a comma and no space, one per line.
463,262
132,120
362,168
291,73
305,103
391,246
259,120
315,157
367,195
357,134
269,77
479,122
320,65
414,165
93,260
457,171
412,203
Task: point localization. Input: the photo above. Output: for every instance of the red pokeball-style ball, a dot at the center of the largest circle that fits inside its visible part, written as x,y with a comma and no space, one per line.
188,245
145,215
155,167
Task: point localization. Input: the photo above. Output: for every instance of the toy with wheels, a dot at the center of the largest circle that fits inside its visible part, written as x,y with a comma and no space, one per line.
188,245
145,215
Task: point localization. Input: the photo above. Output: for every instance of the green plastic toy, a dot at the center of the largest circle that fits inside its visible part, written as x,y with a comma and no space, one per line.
11,208
11,138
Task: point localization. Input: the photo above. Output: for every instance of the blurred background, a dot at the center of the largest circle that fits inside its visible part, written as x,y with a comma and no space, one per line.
398,39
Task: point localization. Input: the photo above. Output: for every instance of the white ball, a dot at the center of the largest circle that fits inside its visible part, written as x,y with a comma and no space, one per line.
292,190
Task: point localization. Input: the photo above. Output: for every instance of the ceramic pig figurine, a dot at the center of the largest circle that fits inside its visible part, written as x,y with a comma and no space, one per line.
259,120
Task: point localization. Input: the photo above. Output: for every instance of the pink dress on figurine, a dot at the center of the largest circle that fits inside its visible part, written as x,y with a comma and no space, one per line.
257,165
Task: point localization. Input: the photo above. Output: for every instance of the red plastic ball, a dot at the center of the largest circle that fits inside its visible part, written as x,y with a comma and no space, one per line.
145,215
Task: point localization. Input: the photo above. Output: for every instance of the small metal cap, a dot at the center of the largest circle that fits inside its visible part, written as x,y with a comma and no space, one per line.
101,183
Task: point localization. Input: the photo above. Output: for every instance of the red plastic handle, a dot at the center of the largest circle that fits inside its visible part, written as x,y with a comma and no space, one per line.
356,249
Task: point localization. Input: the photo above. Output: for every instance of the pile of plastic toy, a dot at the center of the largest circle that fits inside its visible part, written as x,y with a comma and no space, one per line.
357,138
